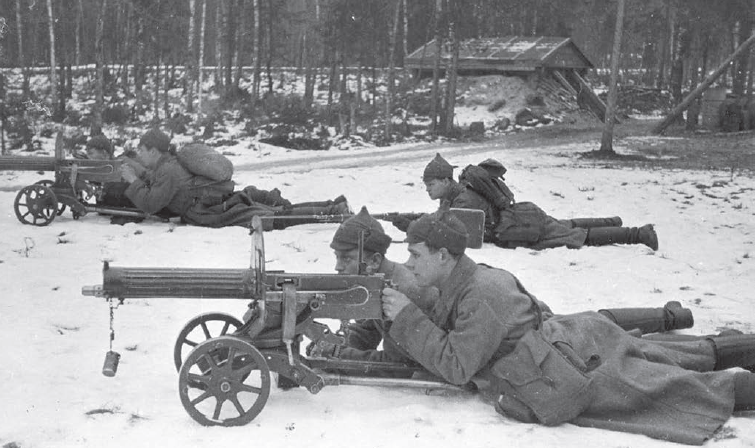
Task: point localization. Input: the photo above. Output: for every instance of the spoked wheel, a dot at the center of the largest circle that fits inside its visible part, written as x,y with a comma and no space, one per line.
224,381
49,183
201,328
36,205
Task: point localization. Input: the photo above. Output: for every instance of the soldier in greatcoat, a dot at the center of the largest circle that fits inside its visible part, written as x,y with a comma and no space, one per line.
364,337
578,368
512,224
198,200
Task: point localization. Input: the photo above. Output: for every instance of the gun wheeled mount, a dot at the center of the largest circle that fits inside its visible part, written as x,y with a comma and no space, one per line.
224,378
76,182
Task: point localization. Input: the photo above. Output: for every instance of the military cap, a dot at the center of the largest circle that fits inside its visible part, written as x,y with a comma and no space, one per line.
348,234
439,229
438,168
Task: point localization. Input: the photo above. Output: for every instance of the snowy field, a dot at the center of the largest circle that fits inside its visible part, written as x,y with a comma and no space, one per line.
54,339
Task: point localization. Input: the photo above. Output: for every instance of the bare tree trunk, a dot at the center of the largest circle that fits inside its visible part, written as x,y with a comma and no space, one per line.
606,143
53,68
311,50
676,74
665,46
166,88
127,41
435,93
21,54
79,19
99,103
741,65
219,4
333,76
240,44
139,59
451,76
190,74
270,45
693,112
406,30
309,69
256,81
156,99
229,30
393,32
200,64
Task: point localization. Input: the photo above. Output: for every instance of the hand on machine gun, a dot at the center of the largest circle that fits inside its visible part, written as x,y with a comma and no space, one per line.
393,302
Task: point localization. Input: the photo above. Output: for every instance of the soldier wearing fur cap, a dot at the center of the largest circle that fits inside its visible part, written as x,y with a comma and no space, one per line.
487,328
202,201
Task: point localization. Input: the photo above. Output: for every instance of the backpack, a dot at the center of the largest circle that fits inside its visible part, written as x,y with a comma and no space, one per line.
516,223
201,160
486,179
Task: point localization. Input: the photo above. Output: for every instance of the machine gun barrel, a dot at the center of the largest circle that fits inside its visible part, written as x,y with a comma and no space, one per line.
327,295
24,163
184,283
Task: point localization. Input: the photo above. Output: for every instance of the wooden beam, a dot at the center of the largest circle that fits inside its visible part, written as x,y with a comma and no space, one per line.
596,105
681,107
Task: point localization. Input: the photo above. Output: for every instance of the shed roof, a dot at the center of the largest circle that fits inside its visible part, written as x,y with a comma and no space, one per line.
510,53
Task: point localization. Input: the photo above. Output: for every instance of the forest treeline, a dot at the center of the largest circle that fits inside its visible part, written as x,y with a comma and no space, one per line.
666,44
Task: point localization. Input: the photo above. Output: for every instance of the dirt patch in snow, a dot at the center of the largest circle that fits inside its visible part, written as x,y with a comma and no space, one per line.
494,99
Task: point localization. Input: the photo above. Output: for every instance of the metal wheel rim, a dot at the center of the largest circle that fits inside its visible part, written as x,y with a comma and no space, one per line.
183,341
40,203
49,183
217,386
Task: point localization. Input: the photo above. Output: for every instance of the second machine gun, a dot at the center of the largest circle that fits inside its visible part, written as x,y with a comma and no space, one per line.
225,379
77,181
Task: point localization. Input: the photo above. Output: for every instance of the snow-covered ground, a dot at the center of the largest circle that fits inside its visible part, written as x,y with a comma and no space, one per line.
54,339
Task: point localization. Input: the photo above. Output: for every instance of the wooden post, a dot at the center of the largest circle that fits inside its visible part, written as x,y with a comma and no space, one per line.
681,107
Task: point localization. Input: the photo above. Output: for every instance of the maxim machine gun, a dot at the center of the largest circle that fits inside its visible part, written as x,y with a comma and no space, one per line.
77,182
224,378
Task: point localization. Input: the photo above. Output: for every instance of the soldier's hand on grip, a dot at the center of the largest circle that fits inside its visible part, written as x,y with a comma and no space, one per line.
393,302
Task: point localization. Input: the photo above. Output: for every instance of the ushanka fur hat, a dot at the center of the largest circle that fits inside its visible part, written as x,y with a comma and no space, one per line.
155,138
100,142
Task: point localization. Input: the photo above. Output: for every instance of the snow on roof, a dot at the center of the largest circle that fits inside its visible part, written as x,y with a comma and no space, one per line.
509,52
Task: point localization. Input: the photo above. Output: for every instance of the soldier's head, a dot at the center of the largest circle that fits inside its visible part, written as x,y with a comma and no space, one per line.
153,144
436,242
438,177
99,148
346,242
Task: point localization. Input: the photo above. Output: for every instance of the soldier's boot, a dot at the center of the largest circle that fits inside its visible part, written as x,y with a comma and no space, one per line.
651,320
603,236
589,223
734,351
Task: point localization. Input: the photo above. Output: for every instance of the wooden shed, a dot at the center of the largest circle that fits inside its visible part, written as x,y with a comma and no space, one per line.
549,62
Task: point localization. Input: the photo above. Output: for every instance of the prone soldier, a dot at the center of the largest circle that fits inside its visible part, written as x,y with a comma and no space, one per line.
512,224
543,368
364,336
